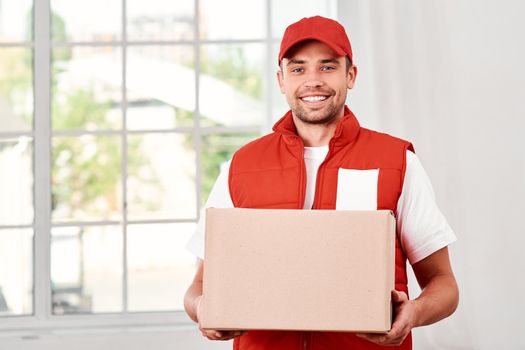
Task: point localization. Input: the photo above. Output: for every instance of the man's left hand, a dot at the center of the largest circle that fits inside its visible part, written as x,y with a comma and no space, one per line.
405,311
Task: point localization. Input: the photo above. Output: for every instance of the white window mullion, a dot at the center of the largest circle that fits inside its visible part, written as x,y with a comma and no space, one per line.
197,142
124,165
42,160
268,72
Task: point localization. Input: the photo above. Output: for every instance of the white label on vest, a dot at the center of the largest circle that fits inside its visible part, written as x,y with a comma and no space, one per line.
357,189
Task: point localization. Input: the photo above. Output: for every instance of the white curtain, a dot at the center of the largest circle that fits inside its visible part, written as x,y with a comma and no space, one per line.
449,75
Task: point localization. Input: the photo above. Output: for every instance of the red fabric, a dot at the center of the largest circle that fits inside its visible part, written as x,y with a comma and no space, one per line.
270,173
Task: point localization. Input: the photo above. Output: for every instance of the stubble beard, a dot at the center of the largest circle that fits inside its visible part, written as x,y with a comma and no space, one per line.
322,116
309,117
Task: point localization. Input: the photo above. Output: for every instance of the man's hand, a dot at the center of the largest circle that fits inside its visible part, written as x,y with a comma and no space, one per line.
213,334
438,299
405,312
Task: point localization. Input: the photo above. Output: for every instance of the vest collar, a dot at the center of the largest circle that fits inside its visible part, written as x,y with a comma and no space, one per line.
345,132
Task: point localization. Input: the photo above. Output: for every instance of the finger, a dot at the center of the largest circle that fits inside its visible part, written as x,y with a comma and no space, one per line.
400,327
396,336
398,297
374,338
397,328
234,334
221,335
213,334
394,341
210,335
380,339
199,307
227,335
205,332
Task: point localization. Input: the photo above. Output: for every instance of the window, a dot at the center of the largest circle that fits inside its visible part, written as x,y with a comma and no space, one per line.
115,117
16,158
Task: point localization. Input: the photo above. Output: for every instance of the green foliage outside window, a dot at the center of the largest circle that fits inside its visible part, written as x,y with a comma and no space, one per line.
233,68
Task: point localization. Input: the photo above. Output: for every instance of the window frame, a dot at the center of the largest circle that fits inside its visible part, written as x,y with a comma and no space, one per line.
42,136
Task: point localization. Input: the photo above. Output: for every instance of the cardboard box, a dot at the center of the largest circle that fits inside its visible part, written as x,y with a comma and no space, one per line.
298,270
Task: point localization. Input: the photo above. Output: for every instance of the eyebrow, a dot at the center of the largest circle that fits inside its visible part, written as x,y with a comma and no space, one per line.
326,60
330,60
295,61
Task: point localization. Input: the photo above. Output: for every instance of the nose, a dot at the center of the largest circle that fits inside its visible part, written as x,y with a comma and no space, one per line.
313,80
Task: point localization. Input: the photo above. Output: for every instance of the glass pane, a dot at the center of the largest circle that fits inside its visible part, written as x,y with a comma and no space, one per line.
16,89
16,272
160,269
158,20
232,19
94,20
161,176
86,180
86,269
86,88
286,12
161,87
231,85
16,20
16,181
217,149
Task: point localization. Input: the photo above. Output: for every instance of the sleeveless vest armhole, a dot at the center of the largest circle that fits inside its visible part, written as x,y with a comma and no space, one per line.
408,147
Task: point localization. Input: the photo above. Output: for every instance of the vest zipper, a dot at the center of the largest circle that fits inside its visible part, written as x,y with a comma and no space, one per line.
302,180
319,177
307,340
306,343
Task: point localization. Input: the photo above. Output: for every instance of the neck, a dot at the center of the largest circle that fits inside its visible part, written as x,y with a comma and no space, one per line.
315,135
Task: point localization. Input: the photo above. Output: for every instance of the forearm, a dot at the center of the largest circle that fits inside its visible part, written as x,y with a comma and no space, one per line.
439,299
191,299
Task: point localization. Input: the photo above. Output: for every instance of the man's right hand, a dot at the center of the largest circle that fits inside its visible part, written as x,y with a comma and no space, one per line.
213,334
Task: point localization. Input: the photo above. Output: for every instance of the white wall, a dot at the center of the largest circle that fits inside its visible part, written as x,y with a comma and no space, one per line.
449,76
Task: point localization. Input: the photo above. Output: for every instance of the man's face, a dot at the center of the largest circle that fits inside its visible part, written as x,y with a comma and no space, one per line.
315,81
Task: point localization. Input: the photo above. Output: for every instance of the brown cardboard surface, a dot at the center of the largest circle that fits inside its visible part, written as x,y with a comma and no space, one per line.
298,269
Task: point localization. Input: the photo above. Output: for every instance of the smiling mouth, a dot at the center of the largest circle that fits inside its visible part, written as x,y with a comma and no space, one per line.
317,98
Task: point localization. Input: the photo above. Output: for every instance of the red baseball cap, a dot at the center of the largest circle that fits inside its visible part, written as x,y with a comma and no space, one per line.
319,28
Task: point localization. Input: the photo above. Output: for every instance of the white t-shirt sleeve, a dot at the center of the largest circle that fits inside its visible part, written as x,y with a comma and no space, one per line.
422,227
219,198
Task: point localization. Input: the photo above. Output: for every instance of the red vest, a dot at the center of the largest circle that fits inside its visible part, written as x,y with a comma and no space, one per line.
270,173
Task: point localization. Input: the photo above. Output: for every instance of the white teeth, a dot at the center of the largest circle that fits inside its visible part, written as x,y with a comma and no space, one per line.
314,98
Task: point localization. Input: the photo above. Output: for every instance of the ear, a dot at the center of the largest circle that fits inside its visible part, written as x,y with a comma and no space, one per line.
351,76
280,80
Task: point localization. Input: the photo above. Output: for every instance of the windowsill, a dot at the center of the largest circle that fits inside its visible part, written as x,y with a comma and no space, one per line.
158,337
29,327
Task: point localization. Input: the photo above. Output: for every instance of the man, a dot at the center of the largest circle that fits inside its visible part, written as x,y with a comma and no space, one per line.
318,157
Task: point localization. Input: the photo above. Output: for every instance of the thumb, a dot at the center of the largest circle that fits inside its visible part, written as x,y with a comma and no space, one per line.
398,297
199,308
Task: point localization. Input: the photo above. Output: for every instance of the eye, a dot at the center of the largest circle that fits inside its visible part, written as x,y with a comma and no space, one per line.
296,70
324,68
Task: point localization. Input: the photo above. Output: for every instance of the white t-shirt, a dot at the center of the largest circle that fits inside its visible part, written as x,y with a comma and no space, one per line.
421,226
